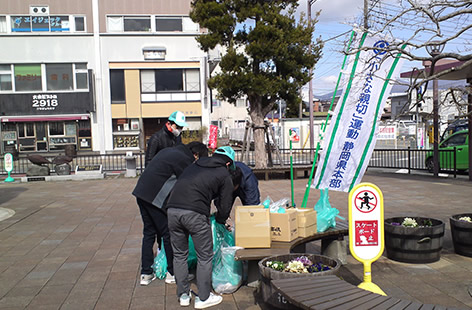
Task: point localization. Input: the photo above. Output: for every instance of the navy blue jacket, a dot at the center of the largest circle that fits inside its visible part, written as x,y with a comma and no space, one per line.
248,190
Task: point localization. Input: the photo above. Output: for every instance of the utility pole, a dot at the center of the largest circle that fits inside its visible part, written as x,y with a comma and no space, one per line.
310,89
366,15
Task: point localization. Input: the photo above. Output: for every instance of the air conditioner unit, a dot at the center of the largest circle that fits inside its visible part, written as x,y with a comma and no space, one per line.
39,10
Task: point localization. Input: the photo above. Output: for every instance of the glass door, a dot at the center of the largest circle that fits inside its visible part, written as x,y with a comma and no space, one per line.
41,138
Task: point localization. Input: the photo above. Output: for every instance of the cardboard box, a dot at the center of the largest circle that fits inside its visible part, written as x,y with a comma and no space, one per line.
284,226
252,227
306,231
306,217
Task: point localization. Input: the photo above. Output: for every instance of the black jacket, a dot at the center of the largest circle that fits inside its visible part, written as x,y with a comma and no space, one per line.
158,141
206,178
159,177
248,190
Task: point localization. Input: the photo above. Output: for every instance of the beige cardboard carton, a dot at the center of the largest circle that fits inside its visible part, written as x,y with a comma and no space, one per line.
306,231
252,227
284,226
306,217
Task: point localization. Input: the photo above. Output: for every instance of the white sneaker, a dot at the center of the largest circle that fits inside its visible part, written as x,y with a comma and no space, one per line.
185,300
146,279
170,279
212,300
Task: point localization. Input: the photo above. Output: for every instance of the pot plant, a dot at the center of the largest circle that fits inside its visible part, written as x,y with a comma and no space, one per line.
416,240
461,230
292,266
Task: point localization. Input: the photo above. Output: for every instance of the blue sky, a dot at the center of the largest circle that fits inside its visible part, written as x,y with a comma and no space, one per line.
339,16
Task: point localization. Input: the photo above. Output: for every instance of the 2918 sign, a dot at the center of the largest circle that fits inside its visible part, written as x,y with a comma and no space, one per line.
45,103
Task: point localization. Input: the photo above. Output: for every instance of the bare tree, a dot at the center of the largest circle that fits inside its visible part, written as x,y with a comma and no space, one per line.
420,24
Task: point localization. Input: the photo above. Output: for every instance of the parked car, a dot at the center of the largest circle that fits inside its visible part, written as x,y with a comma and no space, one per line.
457,125
458,140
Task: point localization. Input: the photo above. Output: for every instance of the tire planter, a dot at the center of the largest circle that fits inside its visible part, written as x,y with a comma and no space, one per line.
269,294
417,245
461,234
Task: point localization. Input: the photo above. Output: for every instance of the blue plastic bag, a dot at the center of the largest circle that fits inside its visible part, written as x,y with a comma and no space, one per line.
192,255
326,215
227,272
160,263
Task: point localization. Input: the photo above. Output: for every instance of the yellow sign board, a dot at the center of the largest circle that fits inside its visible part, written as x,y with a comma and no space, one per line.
366,229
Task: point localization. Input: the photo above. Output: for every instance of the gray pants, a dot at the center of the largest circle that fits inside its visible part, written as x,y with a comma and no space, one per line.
181,224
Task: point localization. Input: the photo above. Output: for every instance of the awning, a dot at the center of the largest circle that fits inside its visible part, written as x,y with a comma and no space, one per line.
44,118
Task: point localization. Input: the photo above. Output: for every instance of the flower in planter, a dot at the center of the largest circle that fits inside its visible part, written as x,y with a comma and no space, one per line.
465,219
304,260
301,264
409,222
295,266
318,267
276,265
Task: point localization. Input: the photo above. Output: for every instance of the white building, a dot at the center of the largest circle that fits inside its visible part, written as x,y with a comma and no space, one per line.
97,75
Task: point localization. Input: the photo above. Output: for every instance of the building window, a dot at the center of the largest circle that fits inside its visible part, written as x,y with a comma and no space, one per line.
137,23
170,80
21,23
79,23
5,77
3,24
59,77
151,23
117,85
168,24
29,23
81,76
240,103
129,23
28,77
56,128
148,81
192,80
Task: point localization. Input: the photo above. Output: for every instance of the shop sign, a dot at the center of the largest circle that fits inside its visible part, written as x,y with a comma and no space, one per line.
44,102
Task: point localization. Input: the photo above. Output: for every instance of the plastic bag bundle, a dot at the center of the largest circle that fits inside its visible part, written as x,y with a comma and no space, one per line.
192,255
326,215
279,206
160,263
227,272
267,202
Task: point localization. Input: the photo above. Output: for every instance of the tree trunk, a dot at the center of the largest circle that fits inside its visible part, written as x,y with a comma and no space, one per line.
260,154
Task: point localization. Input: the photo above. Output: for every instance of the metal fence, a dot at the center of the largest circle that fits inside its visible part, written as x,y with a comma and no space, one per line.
109,162
410,159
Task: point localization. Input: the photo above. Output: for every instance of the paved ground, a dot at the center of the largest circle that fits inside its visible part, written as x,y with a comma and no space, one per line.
76,245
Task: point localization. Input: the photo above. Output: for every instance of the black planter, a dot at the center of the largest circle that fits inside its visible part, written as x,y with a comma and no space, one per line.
269,294
417,245
461,234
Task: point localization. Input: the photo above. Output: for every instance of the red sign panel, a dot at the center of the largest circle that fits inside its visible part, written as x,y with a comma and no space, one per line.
366,233
213,138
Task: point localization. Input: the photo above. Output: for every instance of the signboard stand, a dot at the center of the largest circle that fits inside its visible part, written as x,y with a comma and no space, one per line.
8,163
366,229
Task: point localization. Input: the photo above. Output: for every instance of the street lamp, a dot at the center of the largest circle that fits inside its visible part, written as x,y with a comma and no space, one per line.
434,49
310,89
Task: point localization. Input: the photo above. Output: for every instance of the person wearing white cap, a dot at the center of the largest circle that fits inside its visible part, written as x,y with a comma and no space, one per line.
168,136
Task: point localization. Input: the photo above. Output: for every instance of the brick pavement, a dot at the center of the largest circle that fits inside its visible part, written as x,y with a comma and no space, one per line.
76,245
